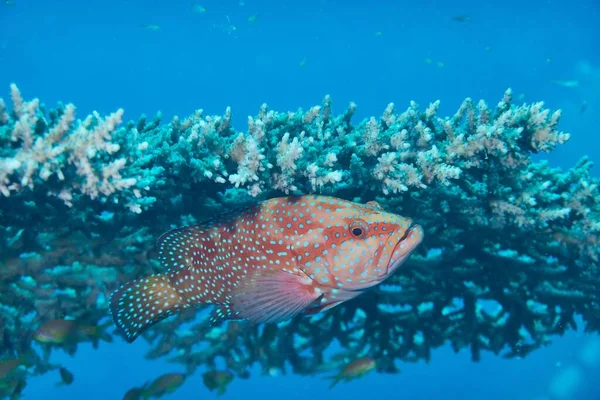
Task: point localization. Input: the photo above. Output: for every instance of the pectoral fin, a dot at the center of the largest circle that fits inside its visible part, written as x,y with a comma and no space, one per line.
270,296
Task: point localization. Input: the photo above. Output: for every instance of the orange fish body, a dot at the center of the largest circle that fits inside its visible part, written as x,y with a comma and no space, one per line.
62,331
164,384
275,260
353,370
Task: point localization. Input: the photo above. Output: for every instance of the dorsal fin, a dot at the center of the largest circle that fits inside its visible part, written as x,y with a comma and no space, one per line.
176,247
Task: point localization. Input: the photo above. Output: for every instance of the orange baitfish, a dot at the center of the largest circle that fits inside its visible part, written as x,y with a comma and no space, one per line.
163,385
353,370
270,262
64,331
9,366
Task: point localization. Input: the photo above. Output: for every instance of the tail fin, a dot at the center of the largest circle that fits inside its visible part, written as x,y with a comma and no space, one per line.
29,358
139,304
334,381
102,334
99,333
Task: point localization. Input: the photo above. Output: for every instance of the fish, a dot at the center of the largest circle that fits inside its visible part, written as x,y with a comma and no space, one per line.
198,9
217,380
64,331
164,384
9,366
151,27
353,370
269,262
66,377
569,83
12,389
135,393
461,18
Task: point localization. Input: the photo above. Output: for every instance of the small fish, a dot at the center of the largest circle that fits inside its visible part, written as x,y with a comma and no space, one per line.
378,33
151,27
440,64
66,377
12,389
252,19
567,238
217,380
230,27
135,393
583,107
288,256
461,18
164,384
197,8
63,331
303,62
353,370
566,83
9,366
428,60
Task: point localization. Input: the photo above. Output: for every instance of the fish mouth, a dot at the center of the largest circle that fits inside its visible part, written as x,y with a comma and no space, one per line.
410,230
407,243
42,337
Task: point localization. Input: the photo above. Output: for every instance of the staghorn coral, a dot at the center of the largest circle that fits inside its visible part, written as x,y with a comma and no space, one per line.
510,254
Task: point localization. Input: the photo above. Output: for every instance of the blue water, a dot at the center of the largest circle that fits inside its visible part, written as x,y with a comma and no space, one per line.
97,55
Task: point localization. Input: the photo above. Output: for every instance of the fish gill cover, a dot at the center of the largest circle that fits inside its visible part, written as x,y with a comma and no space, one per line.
510,254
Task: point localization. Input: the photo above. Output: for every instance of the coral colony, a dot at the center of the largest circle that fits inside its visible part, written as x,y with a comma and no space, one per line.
509,257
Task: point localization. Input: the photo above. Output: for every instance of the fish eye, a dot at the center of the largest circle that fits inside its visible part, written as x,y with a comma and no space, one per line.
358,228
357,231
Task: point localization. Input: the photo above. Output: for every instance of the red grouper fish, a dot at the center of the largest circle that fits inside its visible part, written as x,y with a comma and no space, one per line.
270,262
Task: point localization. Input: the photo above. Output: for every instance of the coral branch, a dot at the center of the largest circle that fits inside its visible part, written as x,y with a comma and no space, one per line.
510,257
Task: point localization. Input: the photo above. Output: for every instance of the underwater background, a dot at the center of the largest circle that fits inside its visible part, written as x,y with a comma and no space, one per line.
178,56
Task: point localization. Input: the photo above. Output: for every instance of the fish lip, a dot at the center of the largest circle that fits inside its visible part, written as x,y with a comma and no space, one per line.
413,227
408,231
